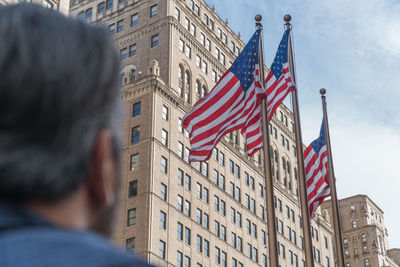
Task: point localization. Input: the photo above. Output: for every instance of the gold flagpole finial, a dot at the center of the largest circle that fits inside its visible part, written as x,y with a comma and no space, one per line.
258,18
322,91
287,18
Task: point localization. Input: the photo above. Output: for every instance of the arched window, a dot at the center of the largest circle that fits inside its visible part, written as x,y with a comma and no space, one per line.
181,72
204,91
198,87
187,87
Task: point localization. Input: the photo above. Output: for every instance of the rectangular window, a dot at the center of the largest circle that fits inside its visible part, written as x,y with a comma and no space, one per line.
199,216
111,28
204,67
237,171
188,51
130,243
120,26
164,164
134,162
164,137
181,45
100,7
199,190
154,40
153,11
123,54
208,44
136,110
163,191
217,255
109,4
161,251
187,24
179,233
239,244
239,219
165,112
132,50
88,14
135,135
177,14
206,247
202,38
131,217
205,195
133,188
179,259
163,220
187,236
193,29
206,221
216,228
187,208
199,244
237,194
180,177
180,203
187,153
198,61
180,150
188,182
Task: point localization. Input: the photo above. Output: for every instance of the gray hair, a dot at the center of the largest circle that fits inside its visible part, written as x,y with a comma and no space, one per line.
58,89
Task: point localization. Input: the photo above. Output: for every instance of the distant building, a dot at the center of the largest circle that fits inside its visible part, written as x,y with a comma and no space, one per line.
59,5
177,213
365,237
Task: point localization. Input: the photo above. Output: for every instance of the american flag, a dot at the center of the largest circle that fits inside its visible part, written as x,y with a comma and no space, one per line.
279,82
316,167
233,104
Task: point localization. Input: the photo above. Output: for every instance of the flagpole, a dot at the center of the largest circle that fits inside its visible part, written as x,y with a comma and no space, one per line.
269,187
332,184
300,160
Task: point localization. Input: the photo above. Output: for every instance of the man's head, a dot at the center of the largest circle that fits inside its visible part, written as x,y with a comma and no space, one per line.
59,109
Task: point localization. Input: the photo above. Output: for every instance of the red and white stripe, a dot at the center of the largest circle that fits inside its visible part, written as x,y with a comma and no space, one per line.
317,180
277,90
225,109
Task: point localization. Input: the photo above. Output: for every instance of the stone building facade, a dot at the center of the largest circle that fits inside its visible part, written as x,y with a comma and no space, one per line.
365,237
177,213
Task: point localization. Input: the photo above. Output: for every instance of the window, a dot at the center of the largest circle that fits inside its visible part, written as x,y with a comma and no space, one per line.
135,134
206,247
136,109
354,224
120,26
130,243
180,128
153,11
180,150
199,216
133,188
248,226
88,14
164,164
223,232
199,244
123,54
163,220
223,207
204,67
363,238
198,61
187,152
179,259
193,29
214,76
187,208
161,250
202,38
223,260
217,255
132,50
163,193
134,162
205,195
365,249
239,219
111,28
366,262
164,137
187,236
187,24
208,44
352,208
252,183
181,45
237,172
261,190
179,233
216,228
165,112
154,40
100,7
177,14
221,158
131,217
109,4
188,183
122,1
216,203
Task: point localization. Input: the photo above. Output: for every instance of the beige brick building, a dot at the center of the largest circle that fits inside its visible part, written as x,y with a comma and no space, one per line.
365,237
176,213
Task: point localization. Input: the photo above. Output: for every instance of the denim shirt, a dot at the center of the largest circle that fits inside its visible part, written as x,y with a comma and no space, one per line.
26,239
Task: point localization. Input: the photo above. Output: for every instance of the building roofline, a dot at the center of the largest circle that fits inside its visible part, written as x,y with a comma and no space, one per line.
363,196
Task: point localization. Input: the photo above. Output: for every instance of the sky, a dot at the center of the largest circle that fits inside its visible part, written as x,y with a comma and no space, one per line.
352,49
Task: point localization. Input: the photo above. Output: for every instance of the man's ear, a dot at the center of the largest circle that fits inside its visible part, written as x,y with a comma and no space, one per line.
102,175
